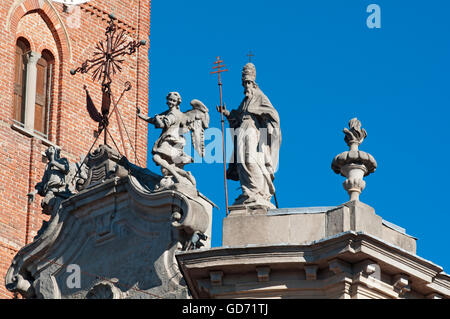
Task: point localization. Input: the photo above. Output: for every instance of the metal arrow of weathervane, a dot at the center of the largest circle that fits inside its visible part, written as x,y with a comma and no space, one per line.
106,62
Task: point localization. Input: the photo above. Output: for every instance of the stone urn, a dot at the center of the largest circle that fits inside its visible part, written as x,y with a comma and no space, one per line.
354,164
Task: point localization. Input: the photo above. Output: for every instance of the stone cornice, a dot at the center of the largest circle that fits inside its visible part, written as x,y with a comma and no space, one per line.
349,247
106,210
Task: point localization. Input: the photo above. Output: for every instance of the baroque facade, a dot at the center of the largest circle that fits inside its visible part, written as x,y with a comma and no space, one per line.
113,229
42,104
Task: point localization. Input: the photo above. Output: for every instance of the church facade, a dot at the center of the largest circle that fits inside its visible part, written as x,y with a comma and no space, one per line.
43,105
123,232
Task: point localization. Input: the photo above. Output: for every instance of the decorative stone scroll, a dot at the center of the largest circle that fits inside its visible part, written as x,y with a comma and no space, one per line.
118,232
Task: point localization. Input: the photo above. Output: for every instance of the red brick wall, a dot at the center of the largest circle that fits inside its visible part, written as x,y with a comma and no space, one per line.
45,26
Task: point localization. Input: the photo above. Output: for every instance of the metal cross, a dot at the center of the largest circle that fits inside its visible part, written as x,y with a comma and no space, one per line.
107,60
250,54
219,67
107,56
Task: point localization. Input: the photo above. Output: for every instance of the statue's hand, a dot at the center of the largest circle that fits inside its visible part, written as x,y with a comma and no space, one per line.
52,163
224,110
143,117
31,196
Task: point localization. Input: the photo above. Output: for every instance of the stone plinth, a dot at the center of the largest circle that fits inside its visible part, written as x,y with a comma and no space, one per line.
301,225
342,252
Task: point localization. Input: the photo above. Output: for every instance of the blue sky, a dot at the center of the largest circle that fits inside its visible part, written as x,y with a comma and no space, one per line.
320,65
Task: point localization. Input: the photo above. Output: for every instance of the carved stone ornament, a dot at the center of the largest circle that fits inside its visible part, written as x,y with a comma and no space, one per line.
104,290
115,226
59,181
354,164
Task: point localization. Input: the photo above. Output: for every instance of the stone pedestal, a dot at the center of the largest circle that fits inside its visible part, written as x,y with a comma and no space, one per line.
301,225
345,252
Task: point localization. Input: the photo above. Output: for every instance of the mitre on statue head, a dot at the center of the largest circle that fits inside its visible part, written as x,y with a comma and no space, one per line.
249,72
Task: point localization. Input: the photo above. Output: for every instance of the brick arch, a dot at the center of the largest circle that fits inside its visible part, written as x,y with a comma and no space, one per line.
43,47
50,15
26,37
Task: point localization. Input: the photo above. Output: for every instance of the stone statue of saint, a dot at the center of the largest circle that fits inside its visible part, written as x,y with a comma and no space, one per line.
54,182
257,140
168,149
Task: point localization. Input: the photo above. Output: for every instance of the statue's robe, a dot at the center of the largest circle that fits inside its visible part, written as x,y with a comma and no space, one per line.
54,183
171,143
257,140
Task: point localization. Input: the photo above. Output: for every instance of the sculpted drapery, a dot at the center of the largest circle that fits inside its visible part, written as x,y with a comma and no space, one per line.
257,138
168,151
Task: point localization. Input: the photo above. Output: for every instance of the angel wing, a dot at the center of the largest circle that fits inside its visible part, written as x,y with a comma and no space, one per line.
197,120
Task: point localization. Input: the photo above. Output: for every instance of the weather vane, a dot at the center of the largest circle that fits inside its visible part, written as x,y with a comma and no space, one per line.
107,60
220,68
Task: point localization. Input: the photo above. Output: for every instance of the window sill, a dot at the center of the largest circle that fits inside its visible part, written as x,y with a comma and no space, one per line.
29,133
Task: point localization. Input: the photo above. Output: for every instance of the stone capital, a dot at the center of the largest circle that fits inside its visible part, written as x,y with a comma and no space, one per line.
31,58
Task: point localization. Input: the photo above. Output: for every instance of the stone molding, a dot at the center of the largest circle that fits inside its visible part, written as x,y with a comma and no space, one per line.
302,225
347,265
119,214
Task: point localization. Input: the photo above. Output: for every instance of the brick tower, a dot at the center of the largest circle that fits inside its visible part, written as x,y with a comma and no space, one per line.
42,104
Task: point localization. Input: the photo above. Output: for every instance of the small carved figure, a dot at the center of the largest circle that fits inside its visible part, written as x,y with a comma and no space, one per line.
168,149
257,143
196,241
54,182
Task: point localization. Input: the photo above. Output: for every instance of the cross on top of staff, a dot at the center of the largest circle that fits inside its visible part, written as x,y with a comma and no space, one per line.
219,67
250,54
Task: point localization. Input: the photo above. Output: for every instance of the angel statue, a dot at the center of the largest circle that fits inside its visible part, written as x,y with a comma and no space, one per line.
168,149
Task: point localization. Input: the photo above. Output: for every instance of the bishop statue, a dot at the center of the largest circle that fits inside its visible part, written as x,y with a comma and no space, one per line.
257,138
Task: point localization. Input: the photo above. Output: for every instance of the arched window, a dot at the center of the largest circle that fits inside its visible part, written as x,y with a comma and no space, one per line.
44,79
33,78
22,48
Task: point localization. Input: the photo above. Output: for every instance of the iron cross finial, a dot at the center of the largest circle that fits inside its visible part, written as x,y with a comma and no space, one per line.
250,54
108,55
107,60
